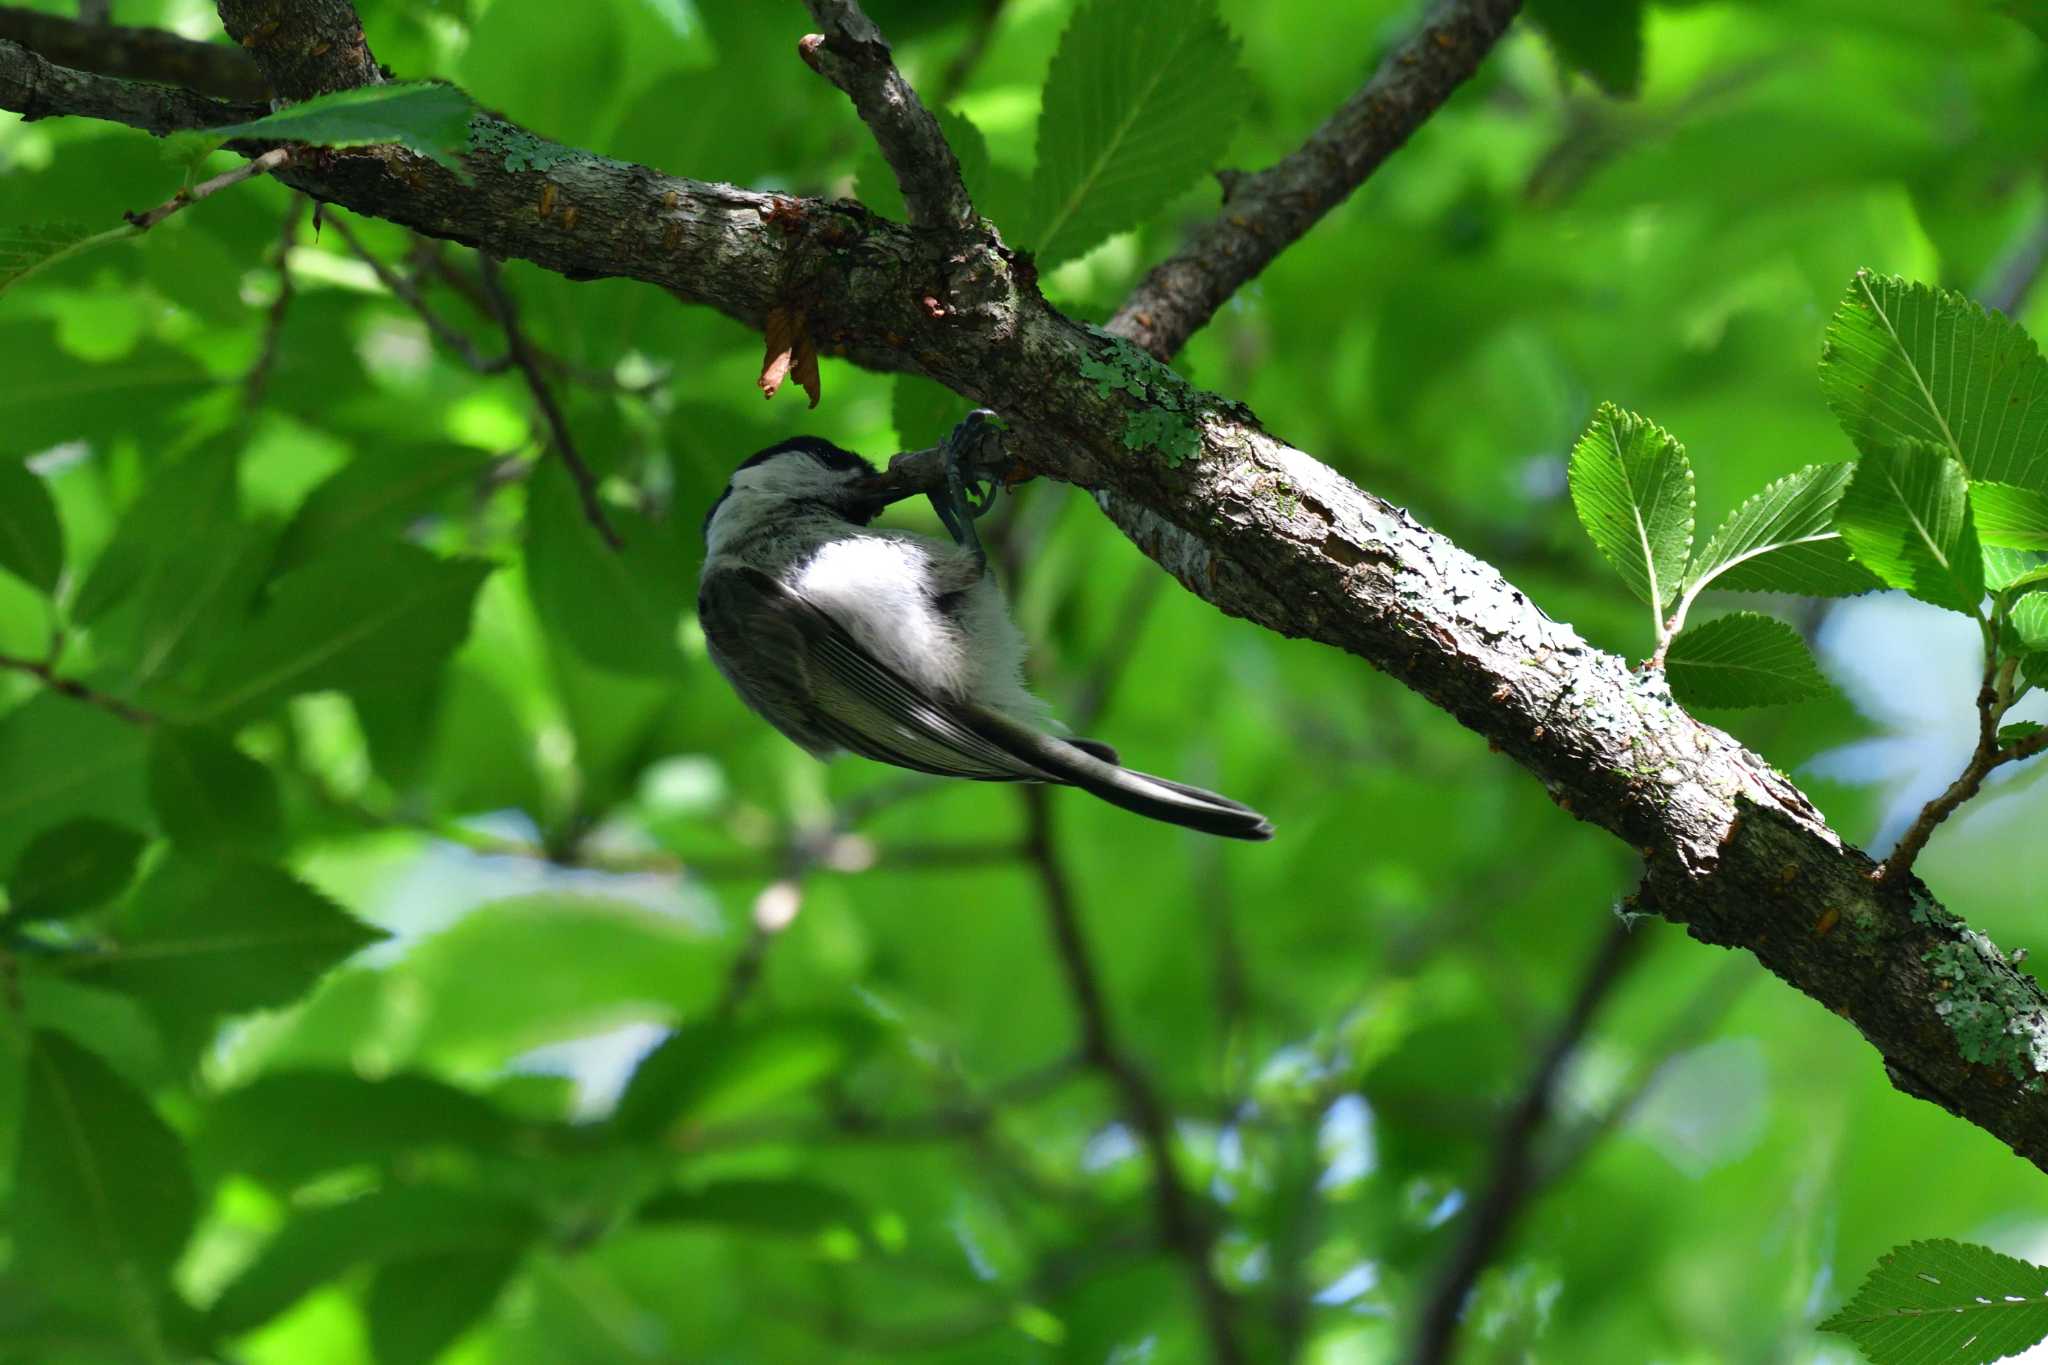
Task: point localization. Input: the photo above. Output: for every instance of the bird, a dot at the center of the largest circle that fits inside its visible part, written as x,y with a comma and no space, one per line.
894,645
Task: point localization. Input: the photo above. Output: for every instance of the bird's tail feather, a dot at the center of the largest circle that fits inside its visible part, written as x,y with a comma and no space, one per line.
1160,798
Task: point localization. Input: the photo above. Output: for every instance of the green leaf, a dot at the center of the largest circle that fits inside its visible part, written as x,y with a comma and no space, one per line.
1946,1303
618,610
1632,486
1906,518
924,412
2032,13
1742,659
2009,735
61,759
400,1224
31,540
1908,362
202,938
795,1207
1143,97
2006,569
103,1199
28,247
288,1126
364,617
48,397
2010,516
1603,38
71,868
1784,540
426,117
411,1328
2030,621
375,495
715,1069
210,796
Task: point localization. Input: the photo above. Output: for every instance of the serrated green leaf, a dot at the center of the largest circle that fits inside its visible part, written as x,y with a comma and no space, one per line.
619,610
2006,569
715,1069
1946,1303
2030,621
365,617
1906,518
426,117
31,539
1909,362
29,247
103,1198
1742,659
72,868
1784,540
1632,487
1143,97
209,795
2010,516
398,1224
202,938
2012,734
1603,38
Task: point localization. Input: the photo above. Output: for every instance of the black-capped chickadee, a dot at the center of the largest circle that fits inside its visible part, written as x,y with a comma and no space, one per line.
892,645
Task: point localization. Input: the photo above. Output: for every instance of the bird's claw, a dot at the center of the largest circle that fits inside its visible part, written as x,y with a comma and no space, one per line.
970,489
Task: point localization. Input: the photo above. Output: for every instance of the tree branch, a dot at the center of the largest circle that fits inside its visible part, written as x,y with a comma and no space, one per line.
1265,213
853,55
304,47
1262,531
149,54
46,673
35,87
1514,1177
1182,1228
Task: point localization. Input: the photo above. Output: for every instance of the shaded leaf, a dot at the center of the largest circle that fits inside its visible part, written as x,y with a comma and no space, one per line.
209,795
714,1069
404,1223
408,1327
103,1201
1784,540
1632,487
619,610
924,412
1906,518
1909,362
366,616
201,938
31,539
61,759
29,247
71,868
2010,516
2009,735
374,495
1603,38
802,1208
287,1126
1742,659
422,116
1142,98
1946,1303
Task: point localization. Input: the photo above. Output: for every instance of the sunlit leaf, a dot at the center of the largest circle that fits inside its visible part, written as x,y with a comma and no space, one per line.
1946,1303
1632,486
716,1069
1742,659
1784,540
1906,518
1910,362
2030,621
1142,98
2010,516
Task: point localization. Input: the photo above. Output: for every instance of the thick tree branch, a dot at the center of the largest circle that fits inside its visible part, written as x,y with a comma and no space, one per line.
1265,213
148,54
1182,1227
305,47
852,54
35,87
1268,533
1515,1177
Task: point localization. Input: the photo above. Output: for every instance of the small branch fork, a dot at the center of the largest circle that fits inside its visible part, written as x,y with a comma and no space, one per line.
45,671
853,55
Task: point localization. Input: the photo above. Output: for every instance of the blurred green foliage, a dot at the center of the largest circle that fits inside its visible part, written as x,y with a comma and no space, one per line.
407,700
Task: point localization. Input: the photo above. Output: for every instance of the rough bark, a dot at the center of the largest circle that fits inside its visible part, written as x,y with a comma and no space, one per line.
1266,532
148,54
304,47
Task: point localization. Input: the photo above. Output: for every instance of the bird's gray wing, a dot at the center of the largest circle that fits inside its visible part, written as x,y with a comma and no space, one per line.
808,675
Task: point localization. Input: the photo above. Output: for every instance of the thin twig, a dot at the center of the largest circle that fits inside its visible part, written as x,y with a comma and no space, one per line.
853,55
185,198
558,425
1182,1228
76,690
258,378
408,294
1513,1178
1265,213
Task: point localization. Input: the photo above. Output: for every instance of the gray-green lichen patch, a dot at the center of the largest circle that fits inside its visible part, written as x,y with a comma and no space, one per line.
1988,1008
517,149
1166,424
